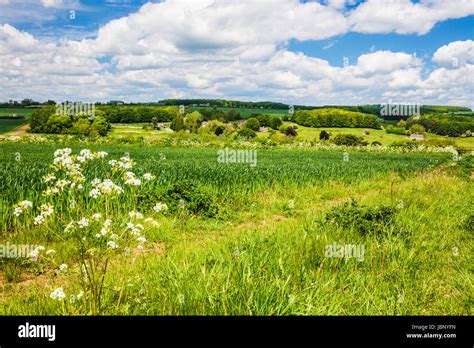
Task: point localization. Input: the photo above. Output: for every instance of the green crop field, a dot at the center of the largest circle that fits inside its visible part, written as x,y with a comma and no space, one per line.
166,231
7,125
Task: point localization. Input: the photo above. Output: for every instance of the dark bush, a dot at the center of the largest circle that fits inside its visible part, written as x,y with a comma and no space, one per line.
349,140
324,135
363,219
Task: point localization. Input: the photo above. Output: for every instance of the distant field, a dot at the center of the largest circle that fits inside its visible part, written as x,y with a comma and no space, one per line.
18,111
9,125
245,113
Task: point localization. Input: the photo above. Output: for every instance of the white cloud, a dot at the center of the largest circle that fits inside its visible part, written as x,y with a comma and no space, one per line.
228,49
52,3
454,55
405,17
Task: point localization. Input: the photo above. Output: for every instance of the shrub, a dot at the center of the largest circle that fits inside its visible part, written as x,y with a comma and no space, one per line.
324,135
417,129
291,131
185,195
219,130
246,133
253,124
349,140
376,143
362,219
395,130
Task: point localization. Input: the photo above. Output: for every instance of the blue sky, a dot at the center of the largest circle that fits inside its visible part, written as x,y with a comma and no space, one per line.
348,51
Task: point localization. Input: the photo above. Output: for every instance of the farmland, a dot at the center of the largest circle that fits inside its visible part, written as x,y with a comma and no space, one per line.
7,125
235,239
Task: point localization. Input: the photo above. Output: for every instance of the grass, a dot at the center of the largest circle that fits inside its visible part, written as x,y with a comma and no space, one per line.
264,254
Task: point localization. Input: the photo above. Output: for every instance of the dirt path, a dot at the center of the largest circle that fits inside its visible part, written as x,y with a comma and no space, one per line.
20,130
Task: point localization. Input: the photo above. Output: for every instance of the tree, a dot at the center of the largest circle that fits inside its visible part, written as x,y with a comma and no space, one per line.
192,121
39,119
274,122
253,124
417,129
246,133
177,124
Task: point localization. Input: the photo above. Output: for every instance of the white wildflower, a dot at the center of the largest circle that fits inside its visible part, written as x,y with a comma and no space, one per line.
97,216
82,223
160,207
112,245
58,294
148,176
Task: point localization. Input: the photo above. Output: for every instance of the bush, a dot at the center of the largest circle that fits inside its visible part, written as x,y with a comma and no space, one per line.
395,130
349,140
324,135
185,195
376,143
362,219
253,124
291,131
417,129
219,130
246,133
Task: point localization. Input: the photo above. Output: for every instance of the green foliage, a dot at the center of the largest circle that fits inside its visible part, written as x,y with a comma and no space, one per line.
349,140
417,129
46,120
177,124
192,121
137,114
332,117
186,196
246,133
395,130
444,124
363,219
253,124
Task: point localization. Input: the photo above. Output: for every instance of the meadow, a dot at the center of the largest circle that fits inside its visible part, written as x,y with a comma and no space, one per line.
191,236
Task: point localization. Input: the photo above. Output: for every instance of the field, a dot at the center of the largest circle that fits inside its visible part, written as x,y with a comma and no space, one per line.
9,125
247,112
238,239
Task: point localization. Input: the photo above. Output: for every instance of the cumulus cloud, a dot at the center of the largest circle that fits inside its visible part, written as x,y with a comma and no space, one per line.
455,55
405,17
180,49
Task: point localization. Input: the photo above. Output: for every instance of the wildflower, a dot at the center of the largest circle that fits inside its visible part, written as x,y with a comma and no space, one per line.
100,154
83,223
181,204
80,294
400,204
94,193
50,251
107,223
139,247
97,216
95,182
291,204
148,176
62,267
160,207
46,209
58,294
113,236
49,177
112,245
141,239
25,204
17,211
69,226
38,220
134,214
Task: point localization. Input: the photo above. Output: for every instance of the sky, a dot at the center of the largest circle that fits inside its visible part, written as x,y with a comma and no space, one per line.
298,52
